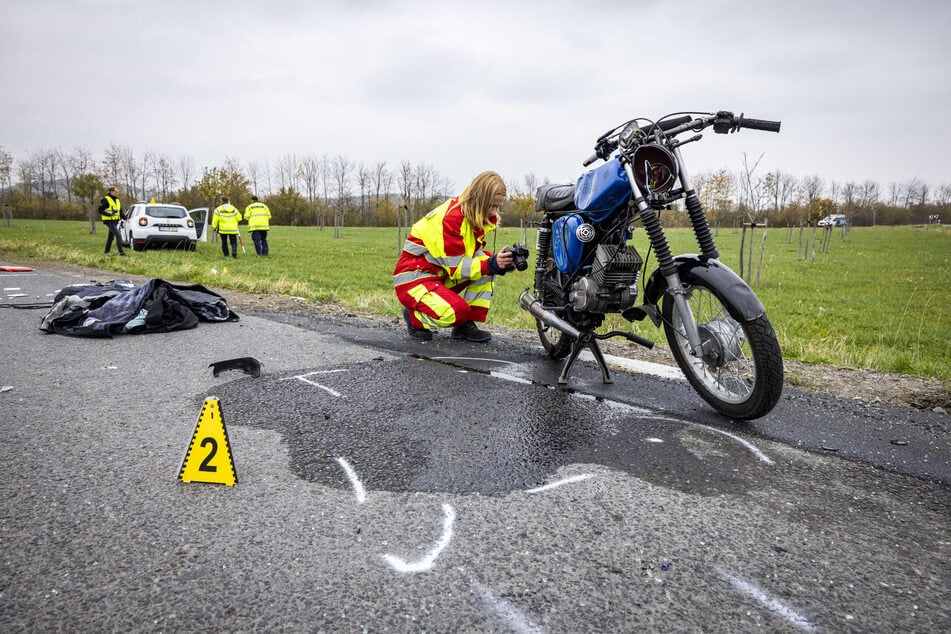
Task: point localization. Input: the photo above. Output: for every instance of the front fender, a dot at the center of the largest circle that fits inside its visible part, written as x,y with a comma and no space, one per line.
736,295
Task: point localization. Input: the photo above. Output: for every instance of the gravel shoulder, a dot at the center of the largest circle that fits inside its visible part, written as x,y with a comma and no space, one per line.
847,383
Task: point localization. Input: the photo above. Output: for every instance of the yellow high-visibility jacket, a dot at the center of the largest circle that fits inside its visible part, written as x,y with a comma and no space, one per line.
226,219
258,216
112,210
442,244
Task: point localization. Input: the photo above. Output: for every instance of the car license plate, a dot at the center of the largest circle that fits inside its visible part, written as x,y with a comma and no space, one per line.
167,228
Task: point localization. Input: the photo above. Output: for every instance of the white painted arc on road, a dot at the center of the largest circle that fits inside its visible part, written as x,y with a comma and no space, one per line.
768,601
474,359
426,563
358,490
508,612
562,482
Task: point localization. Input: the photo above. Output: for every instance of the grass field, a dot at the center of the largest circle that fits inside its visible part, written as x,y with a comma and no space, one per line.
879,299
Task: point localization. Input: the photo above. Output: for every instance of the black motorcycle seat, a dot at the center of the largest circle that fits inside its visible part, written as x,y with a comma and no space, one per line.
558,198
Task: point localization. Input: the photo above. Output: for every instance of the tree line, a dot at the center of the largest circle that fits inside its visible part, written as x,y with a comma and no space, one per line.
313,190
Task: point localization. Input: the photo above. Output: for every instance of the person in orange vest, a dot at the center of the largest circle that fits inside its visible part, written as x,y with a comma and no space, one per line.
444,275
225,222
258,216
110,211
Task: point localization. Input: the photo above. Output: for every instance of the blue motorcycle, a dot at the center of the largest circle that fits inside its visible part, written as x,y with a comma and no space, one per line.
715,325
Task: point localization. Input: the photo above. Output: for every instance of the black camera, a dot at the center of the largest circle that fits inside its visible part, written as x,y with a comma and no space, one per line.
519,256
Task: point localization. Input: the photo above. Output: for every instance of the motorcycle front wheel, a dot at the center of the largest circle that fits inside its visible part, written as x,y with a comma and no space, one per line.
740,372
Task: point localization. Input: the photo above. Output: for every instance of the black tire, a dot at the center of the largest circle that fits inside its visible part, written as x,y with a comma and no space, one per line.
137,247
556,343
741,372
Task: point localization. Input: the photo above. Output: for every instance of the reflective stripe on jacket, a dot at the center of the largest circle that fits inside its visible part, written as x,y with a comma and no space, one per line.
226,219
114,209
443,245
258,216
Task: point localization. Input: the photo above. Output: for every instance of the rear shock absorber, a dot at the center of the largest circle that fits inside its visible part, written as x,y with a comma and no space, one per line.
701,226
542,253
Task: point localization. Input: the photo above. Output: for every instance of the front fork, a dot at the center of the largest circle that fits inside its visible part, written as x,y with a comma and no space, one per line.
665,260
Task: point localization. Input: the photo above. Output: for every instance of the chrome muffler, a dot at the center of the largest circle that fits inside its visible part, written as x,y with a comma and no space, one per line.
532,305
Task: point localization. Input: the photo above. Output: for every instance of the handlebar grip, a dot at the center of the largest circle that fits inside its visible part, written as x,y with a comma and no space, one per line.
670,124
759,124
591,159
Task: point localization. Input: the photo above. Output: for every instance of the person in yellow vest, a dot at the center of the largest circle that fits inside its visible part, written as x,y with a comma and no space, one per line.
225,222
444,275
110,210
259,218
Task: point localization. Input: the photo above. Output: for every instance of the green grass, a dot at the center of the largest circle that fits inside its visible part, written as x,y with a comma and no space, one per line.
879,299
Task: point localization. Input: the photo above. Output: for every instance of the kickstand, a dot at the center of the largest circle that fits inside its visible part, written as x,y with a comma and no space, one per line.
587,340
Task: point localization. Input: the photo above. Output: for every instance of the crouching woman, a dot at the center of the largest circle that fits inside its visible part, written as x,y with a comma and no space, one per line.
444,275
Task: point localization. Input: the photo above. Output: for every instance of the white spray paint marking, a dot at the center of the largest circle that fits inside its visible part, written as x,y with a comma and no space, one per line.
752,448
429,559
656,440
769,602
558,483
358,489
509,377
508,612
303,377
12,288
635,365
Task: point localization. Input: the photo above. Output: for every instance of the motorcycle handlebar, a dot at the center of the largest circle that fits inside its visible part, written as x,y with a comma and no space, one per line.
759,124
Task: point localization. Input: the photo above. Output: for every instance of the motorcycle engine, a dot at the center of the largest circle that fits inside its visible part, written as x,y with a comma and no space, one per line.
612,284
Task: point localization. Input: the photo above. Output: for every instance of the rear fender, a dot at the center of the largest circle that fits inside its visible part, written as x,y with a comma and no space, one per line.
735,294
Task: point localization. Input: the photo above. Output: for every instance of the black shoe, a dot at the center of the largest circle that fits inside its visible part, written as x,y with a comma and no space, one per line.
423,334
121,252
470,332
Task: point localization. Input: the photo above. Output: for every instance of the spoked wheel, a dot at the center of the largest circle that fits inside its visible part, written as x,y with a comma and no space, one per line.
740,372
556,343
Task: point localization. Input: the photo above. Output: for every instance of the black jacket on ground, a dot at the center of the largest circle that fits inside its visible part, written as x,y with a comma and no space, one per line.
102,310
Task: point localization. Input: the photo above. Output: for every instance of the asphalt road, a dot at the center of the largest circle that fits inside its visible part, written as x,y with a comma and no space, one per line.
390,485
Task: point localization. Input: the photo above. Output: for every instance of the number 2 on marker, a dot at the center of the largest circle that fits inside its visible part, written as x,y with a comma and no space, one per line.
206,463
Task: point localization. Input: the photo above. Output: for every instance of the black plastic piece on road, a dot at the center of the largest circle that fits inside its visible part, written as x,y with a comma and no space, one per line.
248,365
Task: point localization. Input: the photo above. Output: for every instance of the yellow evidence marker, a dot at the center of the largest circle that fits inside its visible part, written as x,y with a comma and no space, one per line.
208,457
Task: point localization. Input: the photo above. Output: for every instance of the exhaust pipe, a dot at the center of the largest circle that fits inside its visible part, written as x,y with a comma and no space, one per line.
532,305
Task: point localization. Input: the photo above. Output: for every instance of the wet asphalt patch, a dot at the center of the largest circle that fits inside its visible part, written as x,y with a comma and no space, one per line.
418,425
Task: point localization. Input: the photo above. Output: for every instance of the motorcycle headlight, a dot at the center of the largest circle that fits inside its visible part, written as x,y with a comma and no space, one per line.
655,168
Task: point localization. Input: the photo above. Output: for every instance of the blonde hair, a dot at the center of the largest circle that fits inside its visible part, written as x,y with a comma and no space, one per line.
476,199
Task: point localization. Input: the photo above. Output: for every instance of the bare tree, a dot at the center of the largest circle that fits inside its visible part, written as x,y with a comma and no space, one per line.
531,183
287,170
406,184
342,168
382,180
364,180
310,171
254,172
185,165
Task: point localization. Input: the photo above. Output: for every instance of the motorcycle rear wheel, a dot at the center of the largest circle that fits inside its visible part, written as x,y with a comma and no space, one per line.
741,371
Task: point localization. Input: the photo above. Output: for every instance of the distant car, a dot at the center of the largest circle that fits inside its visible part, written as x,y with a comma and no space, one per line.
159,225
834,220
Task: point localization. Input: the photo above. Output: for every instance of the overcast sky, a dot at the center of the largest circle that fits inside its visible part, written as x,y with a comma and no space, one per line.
863,88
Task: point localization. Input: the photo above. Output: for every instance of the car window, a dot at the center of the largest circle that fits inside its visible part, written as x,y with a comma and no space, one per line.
166,212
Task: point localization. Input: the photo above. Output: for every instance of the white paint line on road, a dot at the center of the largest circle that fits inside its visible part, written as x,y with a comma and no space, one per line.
750,446
358,489
429,559
303,377
768,601
563,482
638,366
517,620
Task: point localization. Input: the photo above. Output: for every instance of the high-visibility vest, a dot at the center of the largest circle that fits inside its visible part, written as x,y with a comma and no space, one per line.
114,210
258,216
226,219
444,245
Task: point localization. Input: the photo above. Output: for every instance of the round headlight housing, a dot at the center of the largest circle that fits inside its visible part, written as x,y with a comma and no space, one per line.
655,168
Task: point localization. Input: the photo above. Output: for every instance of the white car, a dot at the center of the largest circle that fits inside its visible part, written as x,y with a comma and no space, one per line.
834,220
160,225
